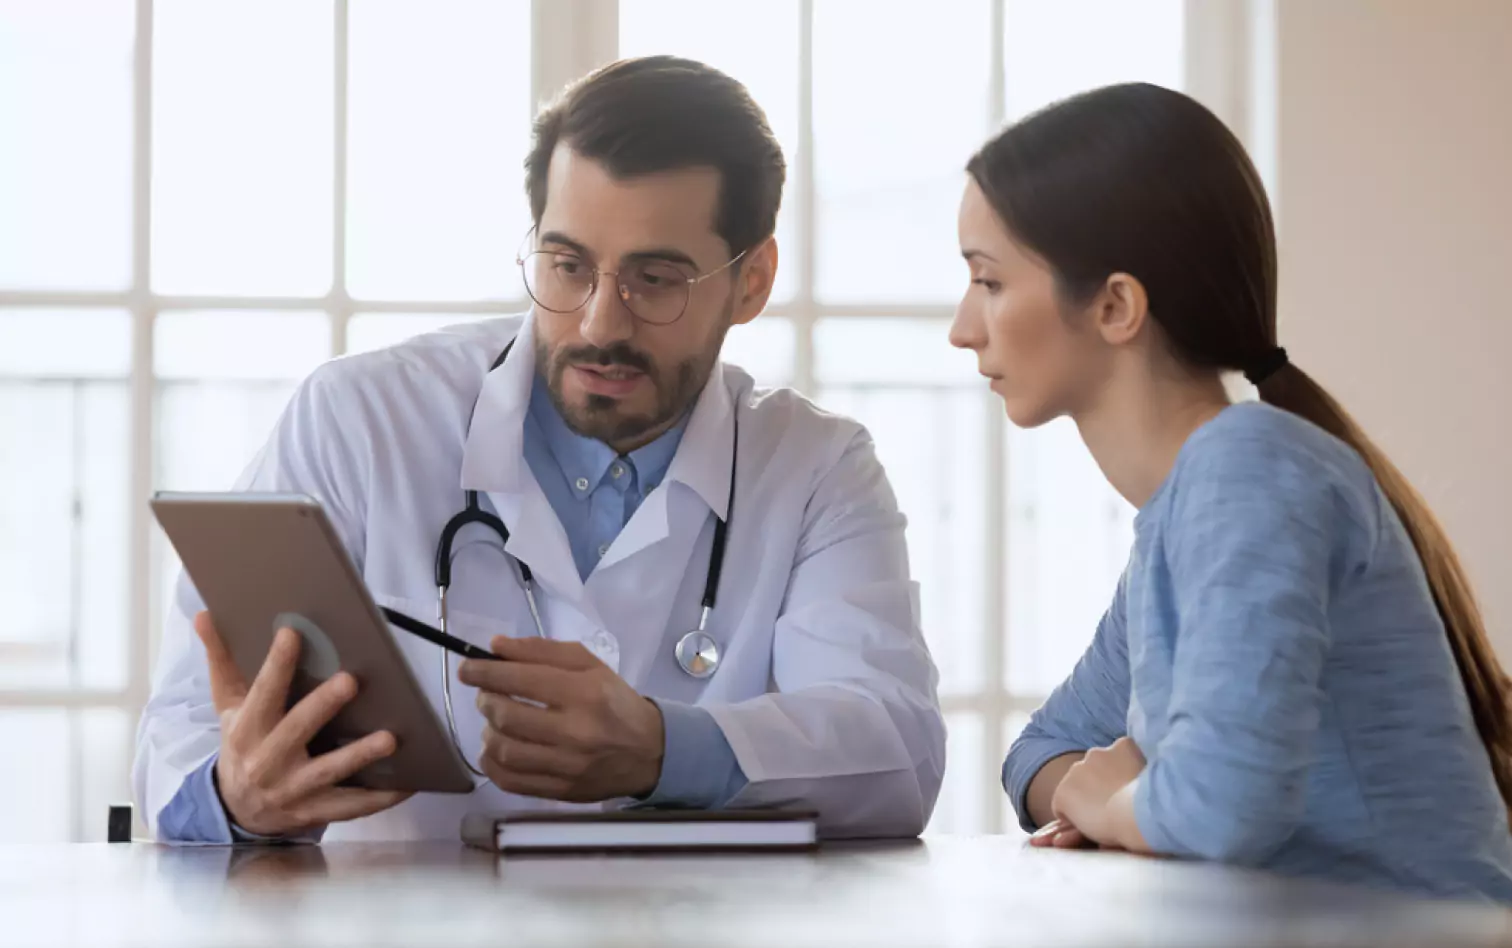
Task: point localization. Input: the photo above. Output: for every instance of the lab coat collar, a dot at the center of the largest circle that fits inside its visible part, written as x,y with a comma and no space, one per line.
702,461
493,462
493,456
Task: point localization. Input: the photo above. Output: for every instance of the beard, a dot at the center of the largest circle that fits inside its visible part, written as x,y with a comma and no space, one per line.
603,418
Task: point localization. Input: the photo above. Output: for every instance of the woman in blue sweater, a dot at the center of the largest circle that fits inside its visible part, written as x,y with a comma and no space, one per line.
1293,673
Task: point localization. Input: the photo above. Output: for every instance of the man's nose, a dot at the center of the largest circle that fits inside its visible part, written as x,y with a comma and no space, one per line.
606,319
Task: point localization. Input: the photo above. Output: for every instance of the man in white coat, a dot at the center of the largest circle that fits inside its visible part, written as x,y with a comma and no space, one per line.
603,430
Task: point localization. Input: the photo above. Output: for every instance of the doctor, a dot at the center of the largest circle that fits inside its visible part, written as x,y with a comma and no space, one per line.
603,430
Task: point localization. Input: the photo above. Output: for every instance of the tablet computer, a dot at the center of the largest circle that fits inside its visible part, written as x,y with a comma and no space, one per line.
263,561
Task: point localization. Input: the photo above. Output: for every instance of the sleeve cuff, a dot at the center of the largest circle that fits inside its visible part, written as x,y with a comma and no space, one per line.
195,814
1020,767
699,769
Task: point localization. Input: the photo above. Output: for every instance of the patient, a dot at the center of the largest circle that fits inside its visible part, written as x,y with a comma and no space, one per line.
1293,673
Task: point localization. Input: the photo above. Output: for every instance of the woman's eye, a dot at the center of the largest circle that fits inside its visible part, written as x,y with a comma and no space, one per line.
992,286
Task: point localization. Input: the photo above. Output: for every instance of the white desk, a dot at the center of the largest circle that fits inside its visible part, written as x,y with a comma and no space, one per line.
948,891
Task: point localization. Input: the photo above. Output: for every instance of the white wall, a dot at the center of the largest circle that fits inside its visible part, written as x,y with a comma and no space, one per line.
1394,175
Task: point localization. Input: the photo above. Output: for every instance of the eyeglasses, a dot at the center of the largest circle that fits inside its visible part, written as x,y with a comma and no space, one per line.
655,291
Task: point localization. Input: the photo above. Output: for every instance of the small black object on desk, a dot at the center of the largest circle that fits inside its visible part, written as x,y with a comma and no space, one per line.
118,830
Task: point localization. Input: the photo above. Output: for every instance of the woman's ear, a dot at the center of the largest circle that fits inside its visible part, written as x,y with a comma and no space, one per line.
1120,309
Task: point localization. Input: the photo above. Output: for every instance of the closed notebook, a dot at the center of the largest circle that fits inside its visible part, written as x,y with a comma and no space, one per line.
641,830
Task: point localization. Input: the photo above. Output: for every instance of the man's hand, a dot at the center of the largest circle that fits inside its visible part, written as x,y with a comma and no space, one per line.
593,737
269,783
1090,800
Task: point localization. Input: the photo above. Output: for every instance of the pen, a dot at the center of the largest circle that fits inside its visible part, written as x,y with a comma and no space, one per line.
435,636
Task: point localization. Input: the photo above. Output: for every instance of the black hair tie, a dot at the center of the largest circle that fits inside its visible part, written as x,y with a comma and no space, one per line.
1271,363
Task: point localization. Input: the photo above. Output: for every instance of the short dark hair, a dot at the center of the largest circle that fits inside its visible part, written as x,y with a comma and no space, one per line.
662,113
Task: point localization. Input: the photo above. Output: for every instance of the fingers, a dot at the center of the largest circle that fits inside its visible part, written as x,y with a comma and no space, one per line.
522,757
542,786
1045,835
310,714
569,656
1058,834
228,689
544,683
327,770
345,803
519,720
269,694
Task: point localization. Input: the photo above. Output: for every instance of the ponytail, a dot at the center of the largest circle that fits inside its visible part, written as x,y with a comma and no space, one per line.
1486,684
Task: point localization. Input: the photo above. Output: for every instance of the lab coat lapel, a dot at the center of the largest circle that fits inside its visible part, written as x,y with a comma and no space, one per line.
702,461
493,461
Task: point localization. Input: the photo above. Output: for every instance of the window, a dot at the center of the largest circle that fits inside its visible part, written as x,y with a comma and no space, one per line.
207,227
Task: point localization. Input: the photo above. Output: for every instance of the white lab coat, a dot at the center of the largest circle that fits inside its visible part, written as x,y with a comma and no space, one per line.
826,691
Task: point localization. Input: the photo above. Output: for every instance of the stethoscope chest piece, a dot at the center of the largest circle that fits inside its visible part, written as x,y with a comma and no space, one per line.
698,654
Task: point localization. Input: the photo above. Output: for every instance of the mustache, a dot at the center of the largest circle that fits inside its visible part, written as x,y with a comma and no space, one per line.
618,354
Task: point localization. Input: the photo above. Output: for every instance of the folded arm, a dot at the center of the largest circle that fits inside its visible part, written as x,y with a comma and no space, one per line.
1089,709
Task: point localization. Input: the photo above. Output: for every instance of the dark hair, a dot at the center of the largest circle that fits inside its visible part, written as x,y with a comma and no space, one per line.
661,113
1146,181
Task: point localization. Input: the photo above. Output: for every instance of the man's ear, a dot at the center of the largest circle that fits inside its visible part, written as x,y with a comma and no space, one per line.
1120,309
758,272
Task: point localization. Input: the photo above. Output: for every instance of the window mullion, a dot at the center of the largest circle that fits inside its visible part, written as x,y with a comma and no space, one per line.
339,304
807,256
994,505
143,312
569,38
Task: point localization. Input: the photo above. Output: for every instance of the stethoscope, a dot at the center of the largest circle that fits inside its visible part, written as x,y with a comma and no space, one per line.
697,652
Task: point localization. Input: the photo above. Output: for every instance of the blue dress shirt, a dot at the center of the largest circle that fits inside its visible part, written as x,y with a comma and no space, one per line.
594,493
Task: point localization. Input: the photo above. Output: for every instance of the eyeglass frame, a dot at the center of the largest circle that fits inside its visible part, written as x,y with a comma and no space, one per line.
623,293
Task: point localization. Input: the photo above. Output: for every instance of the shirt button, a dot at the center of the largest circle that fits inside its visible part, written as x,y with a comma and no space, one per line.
617,471
581,483
603,548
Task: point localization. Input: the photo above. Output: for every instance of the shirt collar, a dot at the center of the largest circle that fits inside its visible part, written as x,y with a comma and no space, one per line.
581,457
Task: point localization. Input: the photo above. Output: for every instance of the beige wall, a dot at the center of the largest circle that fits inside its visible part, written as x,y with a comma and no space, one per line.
1393,121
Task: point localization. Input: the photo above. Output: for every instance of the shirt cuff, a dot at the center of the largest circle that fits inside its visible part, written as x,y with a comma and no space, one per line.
1020,768
195,814
699,769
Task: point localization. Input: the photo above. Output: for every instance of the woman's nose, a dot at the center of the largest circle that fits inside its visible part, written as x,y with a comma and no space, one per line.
965,329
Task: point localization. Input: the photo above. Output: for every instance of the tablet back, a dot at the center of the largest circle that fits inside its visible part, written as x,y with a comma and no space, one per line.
263,561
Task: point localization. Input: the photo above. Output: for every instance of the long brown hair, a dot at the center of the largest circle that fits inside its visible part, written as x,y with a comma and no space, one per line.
1146,181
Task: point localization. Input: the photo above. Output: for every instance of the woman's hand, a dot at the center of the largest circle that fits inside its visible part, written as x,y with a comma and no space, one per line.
1058,834
1093,801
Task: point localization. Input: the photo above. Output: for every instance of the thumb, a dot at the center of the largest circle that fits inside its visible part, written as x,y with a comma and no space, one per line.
227,686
